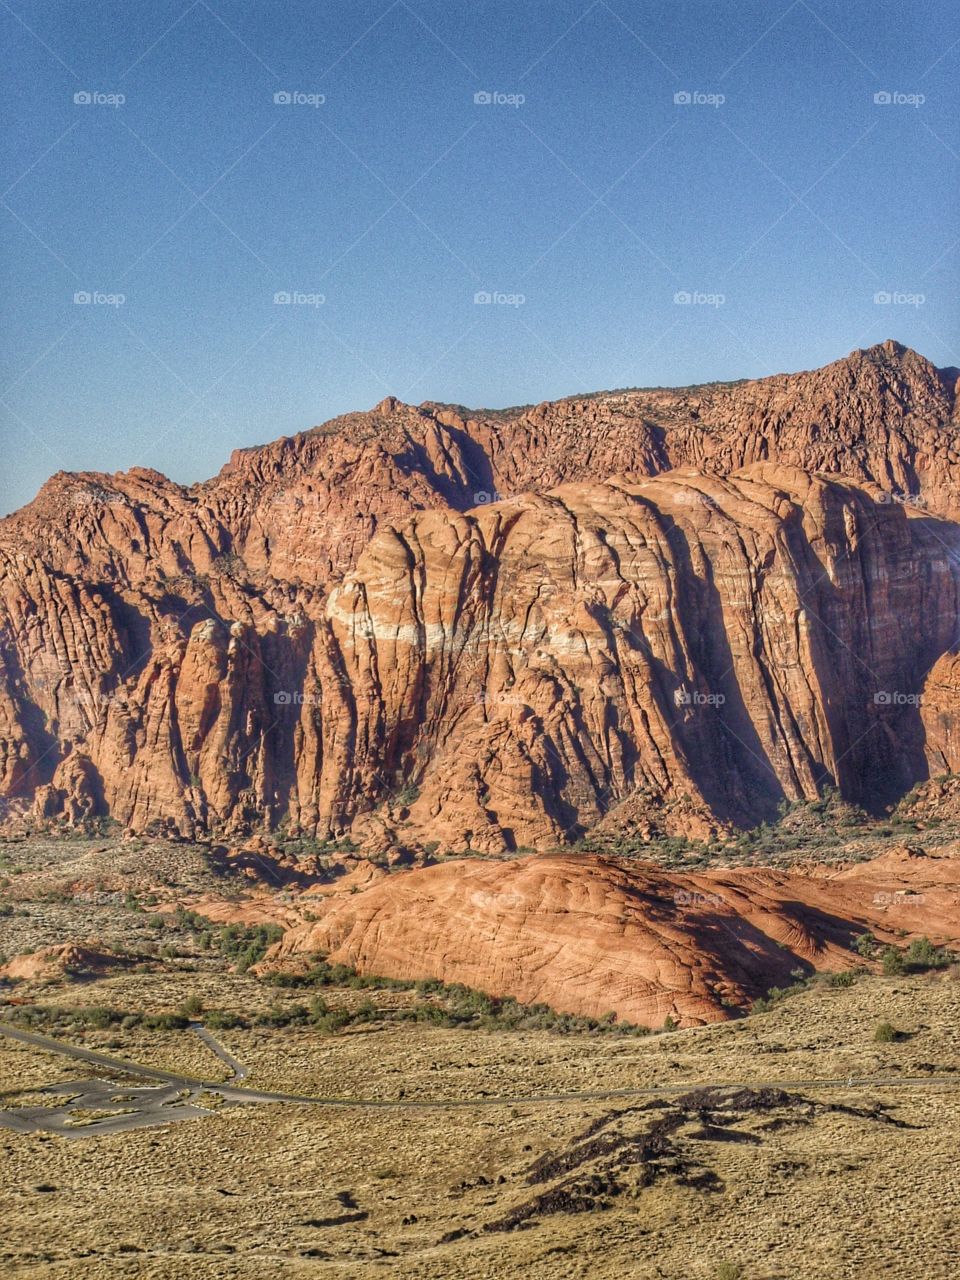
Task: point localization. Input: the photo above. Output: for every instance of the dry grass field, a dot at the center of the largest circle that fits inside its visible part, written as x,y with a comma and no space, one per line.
307,1190
479,1164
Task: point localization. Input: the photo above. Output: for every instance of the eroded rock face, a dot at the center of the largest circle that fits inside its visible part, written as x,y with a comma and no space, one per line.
735,642
940,713
588,935
657,609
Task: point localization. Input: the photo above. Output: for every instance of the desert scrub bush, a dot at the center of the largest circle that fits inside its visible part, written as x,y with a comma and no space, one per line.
461,1007
333,1020
919,957
241,944
450,1005
221,1020
93,1018
283,1016
229,562
439,1004
322,974
885,1033
776,994
628,846
922,955
845,978
314,846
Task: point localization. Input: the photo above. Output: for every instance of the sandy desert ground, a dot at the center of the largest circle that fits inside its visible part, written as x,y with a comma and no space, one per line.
745,1149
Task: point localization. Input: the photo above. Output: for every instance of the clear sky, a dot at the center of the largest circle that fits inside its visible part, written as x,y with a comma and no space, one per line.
775,192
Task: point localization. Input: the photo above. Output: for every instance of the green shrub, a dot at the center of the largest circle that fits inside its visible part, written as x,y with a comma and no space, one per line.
865,944
220,1020
885,1033
846,978
922,955
332,1020
95,1018
729,1271
442,1005
165,1021
243,945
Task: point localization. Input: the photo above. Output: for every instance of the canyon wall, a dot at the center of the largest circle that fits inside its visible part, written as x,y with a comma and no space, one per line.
641,610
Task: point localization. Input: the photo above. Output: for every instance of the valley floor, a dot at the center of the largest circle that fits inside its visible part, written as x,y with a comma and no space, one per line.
776,1187
816,1139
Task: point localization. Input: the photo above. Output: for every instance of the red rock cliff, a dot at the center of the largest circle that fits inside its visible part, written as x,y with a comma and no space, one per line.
498,629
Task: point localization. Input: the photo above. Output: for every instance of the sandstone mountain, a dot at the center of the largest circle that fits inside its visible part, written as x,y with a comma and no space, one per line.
430,626
589,935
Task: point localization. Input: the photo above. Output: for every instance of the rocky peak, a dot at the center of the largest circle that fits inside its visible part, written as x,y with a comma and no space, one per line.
667,609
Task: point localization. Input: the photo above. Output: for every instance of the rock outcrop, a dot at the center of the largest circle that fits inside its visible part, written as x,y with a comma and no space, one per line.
589,935
70,959
940,712
423,626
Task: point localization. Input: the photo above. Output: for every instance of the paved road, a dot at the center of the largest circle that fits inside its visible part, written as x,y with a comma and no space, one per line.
115,1106
162,1109
82,1108
237,1069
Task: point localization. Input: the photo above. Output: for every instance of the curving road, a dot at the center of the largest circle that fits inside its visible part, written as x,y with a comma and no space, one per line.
180,1099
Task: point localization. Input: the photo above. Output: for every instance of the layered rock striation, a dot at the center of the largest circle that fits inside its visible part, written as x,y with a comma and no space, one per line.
589,935
666,609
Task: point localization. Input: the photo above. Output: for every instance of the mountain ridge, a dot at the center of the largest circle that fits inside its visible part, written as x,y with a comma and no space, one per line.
315,633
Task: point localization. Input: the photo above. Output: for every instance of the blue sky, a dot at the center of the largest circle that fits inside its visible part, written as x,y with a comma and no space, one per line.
781,198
